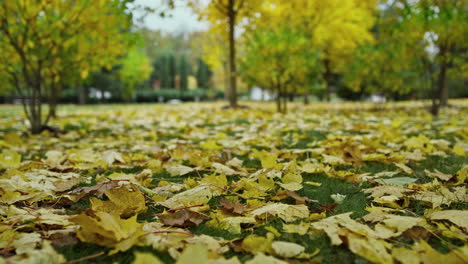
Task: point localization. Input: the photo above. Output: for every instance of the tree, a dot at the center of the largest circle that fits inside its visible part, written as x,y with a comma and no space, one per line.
446,23
184,69
280,59
136,68
203,74
418,44
392,63
160,71
229,14
43,41
171,70
335,27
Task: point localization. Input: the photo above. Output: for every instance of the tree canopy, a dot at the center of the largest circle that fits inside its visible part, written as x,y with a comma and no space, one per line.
44,41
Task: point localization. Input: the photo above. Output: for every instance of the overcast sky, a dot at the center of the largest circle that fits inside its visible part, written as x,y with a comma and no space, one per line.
183,19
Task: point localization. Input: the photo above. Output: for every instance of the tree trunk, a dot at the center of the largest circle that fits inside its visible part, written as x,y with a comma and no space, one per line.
35,110
285,104
36,126
226,80
232,95
53,110
30,109
327,76
81,95
278,102
442,82
53,102
306,99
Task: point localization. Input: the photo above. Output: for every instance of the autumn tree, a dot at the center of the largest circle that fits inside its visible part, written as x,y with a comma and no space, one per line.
225,16
418,46
135,69
203,74
392,64
184,70
45,41
279,59
445,23
335,28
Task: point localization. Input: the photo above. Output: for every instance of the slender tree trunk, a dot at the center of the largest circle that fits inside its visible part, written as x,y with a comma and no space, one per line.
35,104
53,109
278,102
306,99
226,81
442,82
285,104
232,55
81,95
53,100
327,76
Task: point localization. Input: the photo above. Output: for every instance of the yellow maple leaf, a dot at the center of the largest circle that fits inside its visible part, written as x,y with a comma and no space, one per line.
369,248
109,230
268,160
218,180
125,201
286,212
292,181
255,243
458,217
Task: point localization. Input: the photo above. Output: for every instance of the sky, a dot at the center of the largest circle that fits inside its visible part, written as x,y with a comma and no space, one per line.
183,19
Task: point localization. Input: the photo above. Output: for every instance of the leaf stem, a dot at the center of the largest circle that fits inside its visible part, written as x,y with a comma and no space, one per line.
173,231
85,258
185,207
224,189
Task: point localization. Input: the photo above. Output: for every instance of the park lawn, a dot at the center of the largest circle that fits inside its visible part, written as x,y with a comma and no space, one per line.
325,183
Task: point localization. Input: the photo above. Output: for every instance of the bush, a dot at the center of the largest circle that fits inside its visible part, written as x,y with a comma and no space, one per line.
169,94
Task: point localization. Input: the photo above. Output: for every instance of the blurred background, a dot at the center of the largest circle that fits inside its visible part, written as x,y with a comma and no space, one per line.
200,50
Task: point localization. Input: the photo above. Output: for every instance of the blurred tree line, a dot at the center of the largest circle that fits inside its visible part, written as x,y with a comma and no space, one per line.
60,51
352,49
164,67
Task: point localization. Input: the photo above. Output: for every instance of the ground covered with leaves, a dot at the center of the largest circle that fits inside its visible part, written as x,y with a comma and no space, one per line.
192,183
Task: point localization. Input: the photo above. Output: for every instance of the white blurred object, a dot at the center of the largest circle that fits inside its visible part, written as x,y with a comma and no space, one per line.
377,98
259,94
174,101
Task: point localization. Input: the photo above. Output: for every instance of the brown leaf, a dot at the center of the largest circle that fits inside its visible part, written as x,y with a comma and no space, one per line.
182,218
328,208
63,240
97,190
417,233
233,207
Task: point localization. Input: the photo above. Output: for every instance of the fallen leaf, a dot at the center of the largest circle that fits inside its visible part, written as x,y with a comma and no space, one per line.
286,249
182,218
179,170
286,212
458,217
